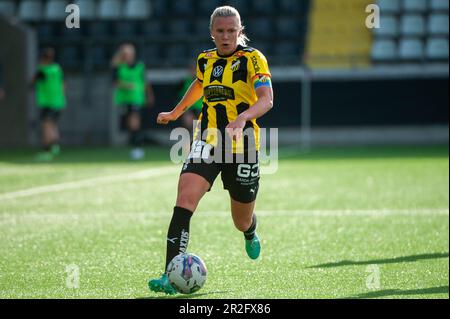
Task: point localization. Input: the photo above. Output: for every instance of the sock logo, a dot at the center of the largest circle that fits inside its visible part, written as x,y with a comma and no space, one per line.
184,241
172,240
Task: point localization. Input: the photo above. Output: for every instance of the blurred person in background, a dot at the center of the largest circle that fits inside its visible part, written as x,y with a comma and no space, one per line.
50,99
132,93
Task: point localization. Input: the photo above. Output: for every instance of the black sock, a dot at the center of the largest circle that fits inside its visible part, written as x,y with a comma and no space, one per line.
136,138
249,234
133,139
178,234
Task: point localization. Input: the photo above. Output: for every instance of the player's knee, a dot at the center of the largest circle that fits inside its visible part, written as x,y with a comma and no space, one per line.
187,200
242,225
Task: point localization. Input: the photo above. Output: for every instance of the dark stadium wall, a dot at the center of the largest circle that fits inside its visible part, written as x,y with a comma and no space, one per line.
346,103
91,119
16,53
380,103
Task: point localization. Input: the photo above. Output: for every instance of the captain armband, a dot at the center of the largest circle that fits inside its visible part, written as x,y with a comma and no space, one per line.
262,80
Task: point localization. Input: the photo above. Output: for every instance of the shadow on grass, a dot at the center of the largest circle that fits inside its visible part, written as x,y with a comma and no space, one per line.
183,296
404,259
399,292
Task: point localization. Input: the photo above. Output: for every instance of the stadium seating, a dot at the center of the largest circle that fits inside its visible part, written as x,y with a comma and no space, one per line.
201,28
417,29
183,8
88,9
389,26
155,25
149,53
418,6
438,24
160,8
125,29
151,27
263,6
437,49
7,8
242,6
137,9
437,5
180,27
287,26
411,30
110,9
291,6
98,29
384,50
46,30
389,6
30,10
260,27
69,56
55,10
345,42
206,7
412,25
411,49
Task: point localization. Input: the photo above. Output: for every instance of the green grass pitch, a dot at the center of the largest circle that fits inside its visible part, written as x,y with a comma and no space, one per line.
341,223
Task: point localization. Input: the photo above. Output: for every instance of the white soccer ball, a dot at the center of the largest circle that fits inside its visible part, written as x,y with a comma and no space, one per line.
187,273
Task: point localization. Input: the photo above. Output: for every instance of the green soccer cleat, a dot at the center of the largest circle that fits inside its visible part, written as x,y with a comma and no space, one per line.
253,247
162,285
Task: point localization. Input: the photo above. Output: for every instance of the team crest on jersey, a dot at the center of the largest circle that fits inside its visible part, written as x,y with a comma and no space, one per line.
235,65
218,70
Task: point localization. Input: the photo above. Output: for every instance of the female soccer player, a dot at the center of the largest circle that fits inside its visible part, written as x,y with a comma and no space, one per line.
50,98
131,93
234,81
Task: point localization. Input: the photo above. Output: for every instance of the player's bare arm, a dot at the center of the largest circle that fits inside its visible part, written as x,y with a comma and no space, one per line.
192,95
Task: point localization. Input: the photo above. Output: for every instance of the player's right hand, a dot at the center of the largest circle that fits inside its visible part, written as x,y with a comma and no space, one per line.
165,117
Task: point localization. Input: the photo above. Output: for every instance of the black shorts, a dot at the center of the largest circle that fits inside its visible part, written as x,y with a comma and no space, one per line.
241,179
128,110
49,114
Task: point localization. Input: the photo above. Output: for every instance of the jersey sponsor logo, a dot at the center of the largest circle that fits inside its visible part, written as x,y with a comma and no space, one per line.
218,93
255,64
218,71
246,170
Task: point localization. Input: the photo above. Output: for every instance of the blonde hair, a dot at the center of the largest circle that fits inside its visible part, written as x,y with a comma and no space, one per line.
227,11
118,57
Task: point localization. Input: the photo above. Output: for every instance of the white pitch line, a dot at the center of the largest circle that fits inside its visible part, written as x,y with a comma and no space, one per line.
91,182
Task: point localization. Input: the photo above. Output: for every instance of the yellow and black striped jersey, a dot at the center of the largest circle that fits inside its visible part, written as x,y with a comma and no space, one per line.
229,88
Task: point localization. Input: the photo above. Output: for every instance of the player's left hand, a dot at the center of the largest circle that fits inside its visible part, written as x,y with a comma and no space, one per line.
235,128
